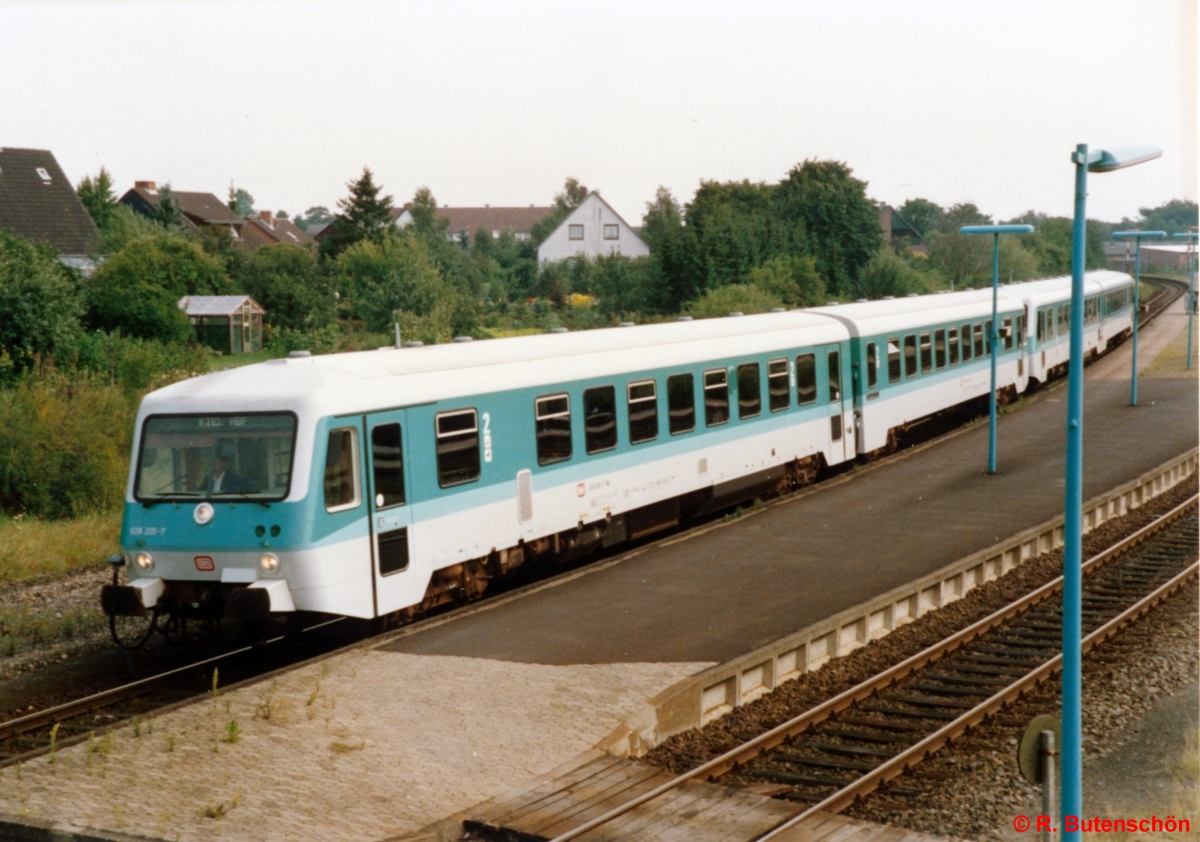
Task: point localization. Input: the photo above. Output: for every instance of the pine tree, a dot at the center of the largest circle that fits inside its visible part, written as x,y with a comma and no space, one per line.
365,215
97,197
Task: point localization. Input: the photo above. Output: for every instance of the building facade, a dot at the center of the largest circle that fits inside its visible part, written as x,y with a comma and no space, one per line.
591,230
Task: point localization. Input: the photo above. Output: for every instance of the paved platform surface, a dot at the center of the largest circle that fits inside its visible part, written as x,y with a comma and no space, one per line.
744,584
362,746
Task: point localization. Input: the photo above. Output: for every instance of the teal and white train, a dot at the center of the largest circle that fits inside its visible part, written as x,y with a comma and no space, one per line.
384,483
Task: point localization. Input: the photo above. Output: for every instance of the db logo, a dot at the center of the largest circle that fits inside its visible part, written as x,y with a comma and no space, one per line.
581,489
204,563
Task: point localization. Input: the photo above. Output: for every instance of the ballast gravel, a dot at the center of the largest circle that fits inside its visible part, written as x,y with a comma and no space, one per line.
974,789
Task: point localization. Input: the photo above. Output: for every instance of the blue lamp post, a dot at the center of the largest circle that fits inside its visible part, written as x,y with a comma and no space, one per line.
1190,236
1137,237
995,231
1072,663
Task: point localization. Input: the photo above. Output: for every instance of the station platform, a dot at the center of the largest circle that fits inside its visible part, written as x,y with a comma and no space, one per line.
383,741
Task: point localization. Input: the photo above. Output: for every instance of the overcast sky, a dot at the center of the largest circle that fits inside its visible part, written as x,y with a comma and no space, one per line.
498,102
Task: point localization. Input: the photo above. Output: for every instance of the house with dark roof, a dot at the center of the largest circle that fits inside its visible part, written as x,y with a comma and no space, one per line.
200,210
469,220
38,203
592,229
897,231
266,230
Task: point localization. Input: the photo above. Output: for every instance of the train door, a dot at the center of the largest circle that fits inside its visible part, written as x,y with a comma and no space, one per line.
841,444
388,504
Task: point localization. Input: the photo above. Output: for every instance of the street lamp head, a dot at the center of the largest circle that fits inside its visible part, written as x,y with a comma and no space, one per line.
996,229
1117,158
1187,235
1139,235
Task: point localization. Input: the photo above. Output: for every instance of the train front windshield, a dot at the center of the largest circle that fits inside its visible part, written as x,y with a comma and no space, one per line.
216,457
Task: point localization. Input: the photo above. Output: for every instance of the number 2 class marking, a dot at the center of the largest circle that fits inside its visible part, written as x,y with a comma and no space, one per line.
487,437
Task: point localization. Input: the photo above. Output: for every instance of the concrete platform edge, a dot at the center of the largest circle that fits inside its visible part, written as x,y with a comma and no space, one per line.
708,695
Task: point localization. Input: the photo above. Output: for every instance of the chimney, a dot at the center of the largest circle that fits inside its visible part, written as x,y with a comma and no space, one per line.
268,220
144,185
407,205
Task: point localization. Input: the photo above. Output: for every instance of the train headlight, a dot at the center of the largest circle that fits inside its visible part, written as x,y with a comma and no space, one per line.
203,514
144,561
269,562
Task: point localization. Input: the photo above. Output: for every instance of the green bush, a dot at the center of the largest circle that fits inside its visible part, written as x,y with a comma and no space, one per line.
135,365
64,447
137,290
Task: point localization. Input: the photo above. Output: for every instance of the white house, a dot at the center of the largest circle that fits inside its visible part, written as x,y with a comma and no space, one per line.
592,229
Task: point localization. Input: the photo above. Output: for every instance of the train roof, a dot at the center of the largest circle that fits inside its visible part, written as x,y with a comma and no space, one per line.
1056,290
362,381
868,318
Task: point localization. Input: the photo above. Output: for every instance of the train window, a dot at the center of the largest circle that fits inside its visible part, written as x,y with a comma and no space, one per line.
926,353
387,466
778,392
1041,326
457,447
910,356
341,470
749,387
872,365
835,376
952,344
939,348
1020,330
978,340
681,403
894,359
806,379
966,342
643,411
987,336
600,418
553,418
1008,334
716,397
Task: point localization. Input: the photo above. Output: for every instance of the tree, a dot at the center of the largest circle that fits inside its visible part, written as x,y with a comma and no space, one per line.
281,214
395,274
425,220
964,213
887,273
124,226
1174,217
97,196
168,212
662,221
365,214
316,215
287,281
40,302
241,202
793,280
966,259
571,197
922,214
137,290
841,223
733,298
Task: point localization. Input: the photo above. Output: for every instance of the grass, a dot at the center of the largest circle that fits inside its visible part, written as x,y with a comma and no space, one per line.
32,547
23,627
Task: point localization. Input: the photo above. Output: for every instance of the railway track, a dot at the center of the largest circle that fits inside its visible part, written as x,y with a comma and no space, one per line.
852,744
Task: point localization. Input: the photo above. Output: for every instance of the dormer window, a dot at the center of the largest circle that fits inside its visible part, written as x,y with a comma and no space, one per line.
45,176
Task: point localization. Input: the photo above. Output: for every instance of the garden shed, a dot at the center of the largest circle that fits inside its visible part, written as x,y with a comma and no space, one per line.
231,324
